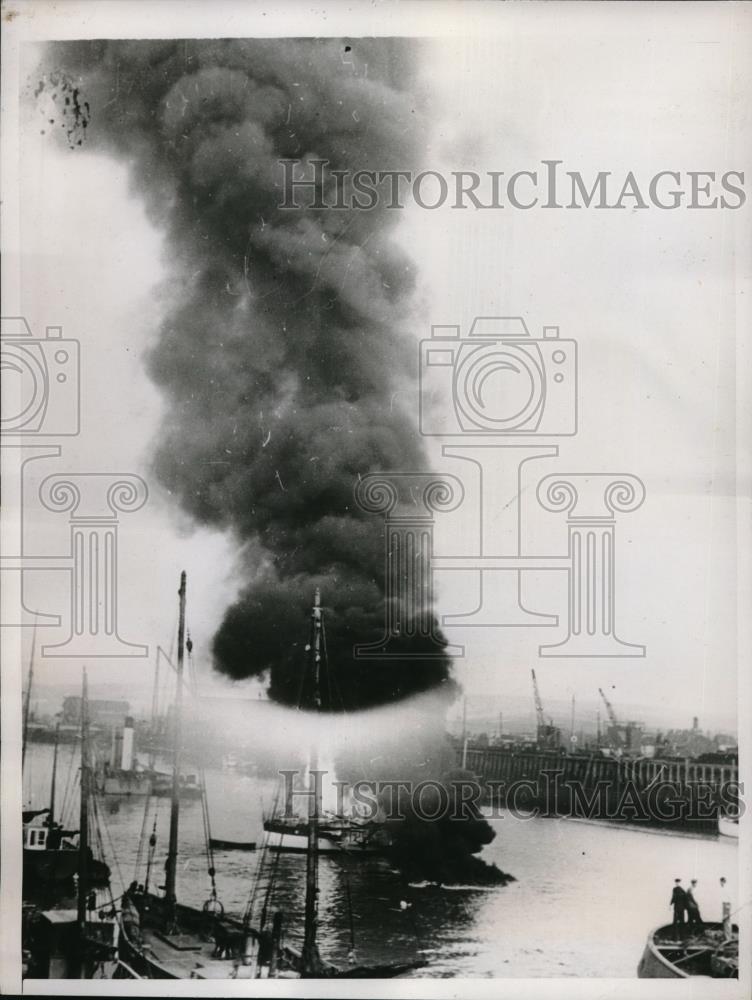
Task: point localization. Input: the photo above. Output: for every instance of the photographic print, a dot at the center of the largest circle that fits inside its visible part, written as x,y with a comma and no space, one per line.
375,441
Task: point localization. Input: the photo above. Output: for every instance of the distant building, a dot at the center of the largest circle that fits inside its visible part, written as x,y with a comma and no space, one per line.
726,741
689,742
101,713
625,736
548,736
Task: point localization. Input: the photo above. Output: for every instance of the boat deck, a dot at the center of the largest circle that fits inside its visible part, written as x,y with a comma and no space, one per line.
185,956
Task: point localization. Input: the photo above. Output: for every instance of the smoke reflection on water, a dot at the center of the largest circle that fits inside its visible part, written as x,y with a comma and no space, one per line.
585,898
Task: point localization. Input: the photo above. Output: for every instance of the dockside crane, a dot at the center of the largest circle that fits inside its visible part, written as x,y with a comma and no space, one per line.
615,725
548,733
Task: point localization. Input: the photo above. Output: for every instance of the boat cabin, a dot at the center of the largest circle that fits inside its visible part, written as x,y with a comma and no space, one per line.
35,838
60,951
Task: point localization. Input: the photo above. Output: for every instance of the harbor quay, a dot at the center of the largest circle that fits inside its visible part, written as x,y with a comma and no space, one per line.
651,791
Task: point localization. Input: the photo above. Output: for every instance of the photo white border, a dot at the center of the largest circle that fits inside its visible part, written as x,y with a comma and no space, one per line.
40,20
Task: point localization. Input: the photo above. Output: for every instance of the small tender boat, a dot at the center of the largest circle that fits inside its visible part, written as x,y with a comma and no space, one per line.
220,844
713,951
336,835
728,826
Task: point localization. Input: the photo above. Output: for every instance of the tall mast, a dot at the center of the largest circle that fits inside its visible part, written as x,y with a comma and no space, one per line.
83,820
172,851
464,731
571,734
316,648
51,816
27,701
311,959
154,708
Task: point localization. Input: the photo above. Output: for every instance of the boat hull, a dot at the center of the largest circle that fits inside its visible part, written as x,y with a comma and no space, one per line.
127,784
49,866
334,838
218,844
297,843
59,866
666,957
728,827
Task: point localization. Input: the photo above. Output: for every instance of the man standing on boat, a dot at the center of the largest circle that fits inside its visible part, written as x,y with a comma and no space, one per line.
679,903
693,909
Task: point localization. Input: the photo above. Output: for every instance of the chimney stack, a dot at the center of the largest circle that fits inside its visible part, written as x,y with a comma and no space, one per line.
126,754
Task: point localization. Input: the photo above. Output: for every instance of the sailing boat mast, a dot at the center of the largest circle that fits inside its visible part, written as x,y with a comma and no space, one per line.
172,851
311,960
27,701
154,709
83,820
51,816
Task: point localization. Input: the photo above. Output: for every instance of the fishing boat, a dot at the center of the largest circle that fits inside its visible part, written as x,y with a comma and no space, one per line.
50,857
316,831
337,834
78,943
162,938
50,852
312,965
712,951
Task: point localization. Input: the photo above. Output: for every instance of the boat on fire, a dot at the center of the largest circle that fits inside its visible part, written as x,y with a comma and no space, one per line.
161,938
354,835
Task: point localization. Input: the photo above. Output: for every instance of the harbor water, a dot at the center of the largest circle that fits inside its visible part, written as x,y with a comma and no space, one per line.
584,898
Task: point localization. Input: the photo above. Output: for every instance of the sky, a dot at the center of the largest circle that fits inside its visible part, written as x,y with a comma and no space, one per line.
649,297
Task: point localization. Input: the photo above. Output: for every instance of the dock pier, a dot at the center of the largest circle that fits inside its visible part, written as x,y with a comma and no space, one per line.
677,793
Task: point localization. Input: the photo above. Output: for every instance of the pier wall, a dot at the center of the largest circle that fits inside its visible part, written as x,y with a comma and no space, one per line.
648,790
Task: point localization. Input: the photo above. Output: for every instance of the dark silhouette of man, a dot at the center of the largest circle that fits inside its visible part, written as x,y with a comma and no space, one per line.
693,908
679,903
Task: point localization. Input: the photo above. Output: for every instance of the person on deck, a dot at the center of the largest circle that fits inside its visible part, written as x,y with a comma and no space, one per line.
679,903
693,909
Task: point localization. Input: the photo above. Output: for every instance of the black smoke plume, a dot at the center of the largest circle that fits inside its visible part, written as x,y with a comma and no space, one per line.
285,355
444,850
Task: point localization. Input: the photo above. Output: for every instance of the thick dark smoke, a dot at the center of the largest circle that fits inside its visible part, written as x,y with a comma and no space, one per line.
285,355
444,850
